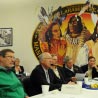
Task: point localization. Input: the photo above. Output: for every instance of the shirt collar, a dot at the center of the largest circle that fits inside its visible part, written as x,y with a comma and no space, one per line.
69,68
45,70
5,69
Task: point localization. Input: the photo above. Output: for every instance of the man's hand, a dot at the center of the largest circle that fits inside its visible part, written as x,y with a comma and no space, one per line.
26,96
74,79
70,82
96,67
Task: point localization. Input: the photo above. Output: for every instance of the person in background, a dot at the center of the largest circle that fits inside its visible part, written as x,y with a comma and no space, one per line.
58,70
44,75
70,69
91,68
19,70
10,86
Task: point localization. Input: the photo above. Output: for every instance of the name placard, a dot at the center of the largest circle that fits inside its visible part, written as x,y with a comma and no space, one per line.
71,89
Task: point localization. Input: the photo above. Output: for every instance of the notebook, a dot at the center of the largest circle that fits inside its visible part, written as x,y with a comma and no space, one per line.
80,76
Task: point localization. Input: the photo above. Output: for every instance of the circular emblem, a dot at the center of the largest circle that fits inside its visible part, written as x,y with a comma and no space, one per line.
64,32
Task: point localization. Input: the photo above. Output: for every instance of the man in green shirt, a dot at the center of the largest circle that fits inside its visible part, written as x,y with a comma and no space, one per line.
10,86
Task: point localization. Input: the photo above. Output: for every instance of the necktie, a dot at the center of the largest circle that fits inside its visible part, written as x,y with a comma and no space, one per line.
47,77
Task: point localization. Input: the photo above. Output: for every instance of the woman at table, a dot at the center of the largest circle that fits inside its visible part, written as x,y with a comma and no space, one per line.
18,69
58,70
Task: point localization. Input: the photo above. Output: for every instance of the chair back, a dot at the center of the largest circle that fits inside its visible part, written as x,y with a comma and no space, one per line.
28,87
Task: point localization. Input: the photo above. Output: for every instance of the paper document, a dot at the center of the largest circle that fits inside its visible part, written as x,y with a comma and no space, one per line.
80,76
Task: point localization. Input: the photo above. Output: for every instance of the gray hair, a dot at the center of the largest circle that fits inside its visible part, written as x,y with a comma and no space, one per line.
66,59
43,55
40,57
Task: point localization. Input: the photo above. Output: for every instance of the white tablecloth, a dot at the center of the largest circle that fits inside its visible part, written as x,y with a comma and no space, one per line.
85,93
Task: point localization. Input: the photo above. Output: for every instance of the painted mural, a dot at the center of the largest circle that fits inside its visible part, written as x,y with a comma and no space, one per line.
68,31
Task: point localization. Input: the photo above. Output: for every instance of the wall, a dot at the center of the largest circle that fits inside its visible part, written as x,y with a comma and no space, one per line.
22,16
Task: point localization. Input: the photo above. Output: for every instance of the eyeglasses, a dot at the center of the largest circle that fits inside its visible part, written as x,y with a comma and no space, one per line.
11,57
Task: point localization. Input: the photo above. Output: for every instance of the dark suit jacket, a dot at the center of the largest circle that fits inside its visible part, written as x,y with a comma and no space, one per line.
61,74
94,72
38,78
69,74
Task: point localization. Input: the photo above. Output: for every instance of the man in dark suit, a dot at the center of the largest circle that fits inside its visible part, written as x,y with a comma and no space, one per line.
40,77
70,69
91,68
58,70
18,69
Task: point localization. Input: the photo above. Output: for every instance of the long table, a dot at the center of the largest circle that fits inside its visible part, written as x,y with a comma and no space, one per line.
85,93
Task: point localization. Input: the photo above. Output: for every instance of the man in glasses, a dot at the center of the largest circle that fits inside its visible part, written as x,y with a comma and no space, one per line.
10,86
90,69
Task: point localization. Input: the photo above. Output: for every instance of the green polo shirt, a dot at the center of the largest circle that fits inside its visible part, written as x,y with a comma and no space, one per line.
10,86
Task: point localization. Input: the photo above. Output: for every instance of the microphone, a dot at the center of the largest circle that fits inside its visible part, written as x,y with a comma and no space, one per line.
54,65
